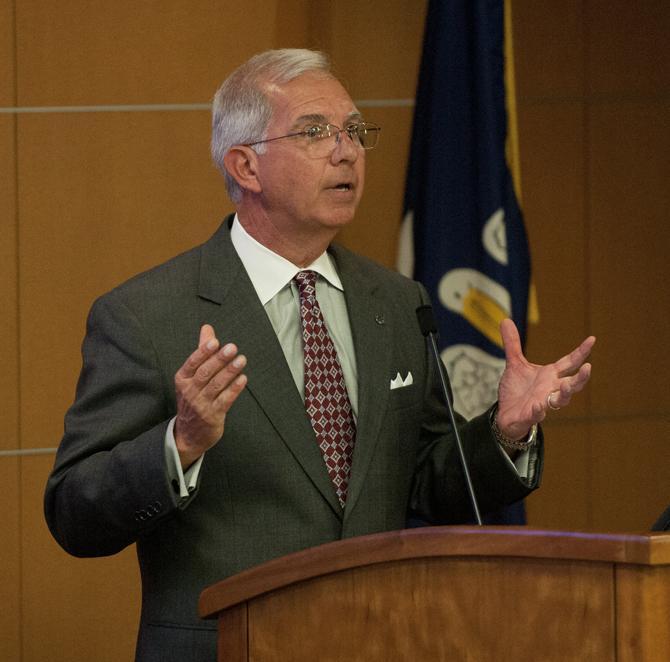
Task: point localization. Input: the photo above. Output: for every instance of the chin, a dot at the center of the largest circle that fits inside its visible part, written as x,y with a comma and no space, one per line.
338,221
337,218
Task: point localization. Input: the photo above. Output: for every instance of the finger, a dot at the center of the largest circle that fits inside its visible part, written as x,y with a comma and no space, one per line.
224,401
214,365
223,375
207,346
571,362
511,340
570,385
577,382
206,334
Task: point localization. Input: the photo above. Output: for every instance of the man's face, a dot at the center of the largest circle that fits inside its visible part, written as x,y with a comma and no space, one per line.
302,191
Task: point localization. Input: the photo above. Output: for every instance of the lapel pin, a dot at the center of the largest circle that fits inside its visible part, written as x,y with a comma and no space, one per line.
380,319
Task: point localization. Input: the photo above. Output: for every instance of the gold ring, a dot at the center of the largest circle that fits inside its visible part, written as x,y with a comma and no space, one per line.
549,402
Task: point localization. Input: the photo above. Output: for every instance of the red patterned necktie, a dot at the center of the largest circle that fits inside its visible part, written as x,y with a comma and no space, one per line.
326,399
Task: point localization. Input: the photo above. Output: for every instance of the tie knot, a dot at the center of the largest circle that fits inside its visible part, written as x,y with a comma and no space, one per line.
306,281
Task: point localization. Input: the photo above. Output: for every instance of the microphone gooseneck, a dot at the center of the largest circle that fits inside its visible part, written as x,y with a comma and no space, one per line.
426,319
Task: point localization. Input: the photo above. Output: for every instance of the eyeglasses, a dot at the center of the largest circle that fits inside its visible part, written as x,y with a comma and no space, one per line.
362,134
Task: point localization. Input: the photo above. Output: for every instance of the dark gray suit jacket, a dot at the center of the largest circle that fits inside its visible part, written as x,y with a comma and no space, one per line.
263,490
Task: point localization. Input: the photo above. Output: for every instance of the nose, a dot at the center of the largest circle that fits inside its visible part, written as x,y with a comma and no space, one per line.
345,148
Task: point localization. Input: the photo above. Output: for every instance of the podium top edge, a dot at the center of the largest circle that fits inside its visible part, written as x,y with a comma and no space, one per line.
646,549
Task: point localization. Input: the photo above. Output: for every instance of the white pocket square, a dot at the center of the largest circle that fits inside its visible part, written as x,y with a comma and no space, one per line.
399,382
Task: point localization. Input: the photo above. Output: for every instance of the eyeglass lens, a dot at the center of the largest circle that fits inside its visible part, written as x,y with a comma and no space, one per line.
363,134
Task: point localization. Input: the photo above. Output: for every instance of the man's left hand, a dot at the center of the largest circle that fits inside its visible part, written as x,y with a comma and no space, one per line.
528,391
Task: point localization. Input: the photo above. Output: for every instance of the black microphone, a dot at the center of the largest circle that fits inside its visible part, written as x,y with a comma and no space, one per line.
424,315
663,522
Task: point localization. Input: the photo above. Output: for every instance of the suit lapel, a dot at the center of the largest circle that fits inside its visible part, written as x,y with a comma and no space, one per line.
241,317
369,317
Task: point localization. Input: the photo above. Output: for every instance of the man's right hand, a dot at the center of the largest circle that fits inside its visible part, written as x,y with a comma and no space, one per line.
206,386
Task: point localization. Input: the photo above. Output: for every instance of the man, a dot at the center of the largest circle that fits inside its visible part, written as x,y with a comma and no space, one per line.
221,456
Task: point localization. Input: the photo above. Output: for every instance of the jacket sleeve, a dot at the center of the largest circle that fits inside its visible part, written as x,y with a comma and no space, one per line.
109,485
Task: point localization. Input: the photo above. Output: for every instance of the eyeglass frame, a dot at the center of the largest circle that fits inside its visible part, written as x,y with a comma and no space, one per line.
348,130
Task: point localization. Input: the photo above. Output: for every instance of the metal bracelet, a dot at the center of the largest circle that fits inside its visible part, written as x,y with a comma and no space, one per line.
518,445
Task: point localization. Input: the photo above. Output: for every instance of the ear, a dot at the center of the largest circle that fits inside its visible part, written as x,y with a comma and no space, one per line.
241,163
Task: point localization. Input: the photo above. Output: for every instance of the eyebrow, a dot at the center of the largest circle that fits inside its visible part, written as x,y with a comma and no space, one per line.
317,118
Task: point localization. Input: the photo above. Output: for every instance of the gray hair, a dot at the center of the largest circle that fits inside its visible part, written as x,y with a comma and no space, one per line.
241,111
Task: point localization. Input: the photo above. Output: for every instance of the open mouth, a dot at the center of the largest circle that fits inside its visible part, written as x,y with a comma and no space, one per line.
343,187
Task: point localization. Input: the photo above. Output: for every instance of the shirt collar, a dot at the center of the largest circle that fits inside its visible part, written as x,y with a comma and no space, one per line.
270,272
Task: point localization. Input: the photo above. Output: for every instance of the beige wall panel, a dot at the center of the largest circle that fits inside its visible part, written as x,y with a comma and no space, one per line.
10,561
374,231
630,242
375,46
9,376
102,196
74,610
7,64
563,500
628,48
630,486
81,52
551,144
548,48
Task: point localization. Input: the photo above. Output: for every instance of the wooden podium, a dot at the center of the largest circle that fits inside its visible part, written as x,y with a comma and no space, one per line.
452,593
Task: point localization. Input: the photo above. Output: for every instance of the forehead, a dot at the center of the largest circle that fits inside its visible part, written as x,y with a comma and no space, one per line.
311,95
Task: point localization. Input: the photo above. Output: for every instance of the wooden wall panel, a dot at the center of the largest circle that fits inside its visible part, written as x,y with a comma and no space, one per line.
374,230
627,48
7,64
551,144
548,50
9,376
594,196
628,81
292,24
8,253
10,549
376,46
10,561
563,501
553,189
119,193
630,242
72,609
629,486
79,52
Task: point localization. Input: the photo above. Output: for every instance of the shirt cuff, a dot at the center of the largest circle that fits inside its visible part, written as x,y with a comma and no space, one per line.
520,463
184,483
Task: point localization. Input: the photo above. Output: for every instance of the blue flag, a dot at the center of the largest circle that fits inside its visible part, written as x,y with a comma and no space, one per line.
461,213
